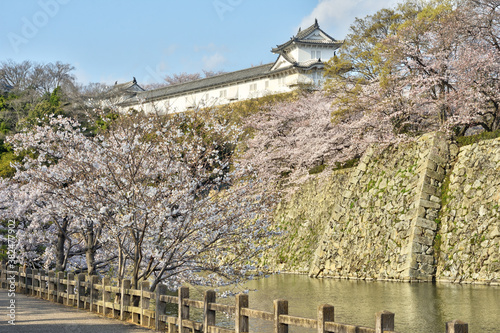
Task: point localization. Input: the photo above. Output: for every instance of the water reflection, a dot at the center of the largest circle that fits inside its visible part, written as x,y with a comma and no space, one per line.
419,307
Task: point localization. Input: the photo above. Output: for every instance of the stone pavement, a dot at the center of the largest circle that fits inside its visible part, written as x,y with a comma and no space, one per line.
40,316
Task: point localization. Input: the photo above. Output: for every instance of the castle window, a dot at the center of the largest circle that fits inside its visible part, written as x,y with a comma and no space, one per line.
223,93
253,87
315,54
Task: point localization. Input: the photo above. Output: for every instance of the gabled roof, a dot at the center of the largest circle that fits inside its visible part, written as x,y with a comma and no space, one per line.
130,86
293,63
206,83
302,35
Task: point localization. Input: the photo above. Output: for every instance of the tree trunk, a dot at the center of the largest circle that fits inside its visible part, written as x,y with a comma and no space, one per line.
89,252
137,262
61,239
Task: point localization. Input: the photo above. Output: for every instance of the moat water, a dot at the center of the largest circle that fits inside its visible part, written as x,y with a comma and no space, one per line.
418,307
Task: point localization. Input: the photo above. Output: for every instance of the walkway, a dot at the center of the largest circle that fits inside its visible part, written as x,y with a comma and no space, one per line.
40,316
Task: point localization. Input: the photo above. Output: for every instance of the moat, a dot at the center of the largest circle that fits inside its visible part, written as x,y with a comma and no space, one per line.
418,307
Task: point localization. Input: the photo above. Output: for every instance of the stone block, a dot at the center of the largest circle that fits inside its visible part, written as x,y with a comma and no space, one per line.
422,240
416,248
435,175
435,199
437,159
431,190
426,224
429,204
494,233
425,259
427,269
431,165
421,211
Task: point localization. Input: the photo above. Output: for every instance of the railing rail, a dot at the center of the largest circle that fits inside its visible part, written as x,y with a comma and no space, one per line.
148,309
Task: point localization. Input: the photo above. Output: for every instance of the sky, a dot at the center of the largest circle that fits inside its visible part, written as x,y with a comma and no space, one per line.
116,40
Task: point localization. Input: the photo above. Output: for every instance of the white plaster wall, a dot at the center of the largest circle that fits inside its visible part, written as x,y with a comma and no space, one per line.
213,97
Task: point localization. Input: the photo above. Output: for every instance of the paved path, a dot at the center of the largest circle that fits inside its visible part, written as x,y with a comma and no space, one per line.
39,316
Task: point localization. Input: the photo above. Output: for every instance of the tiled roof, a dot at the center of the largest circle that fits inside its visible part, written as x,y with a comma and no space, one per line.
123,88
302,34
210,82
303,65
309,63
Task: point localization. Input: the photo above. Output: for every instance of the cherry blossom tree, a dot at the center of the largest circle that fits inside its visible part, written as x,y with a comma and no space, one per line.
478,65
152,197
426,66
290,138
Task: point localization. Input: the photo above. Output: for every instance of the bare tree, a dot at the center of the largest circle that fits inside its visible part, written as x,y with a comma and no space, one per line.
16,75
185,77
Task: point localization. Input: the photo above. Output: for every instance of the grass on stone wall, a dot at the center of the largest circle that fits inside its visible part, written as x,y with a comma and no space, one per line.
346,164
468,140
317,169
236,112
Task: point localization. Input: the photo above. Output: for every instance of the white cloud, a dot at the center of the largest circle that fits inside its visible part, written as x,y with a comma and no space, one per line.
336,16
214,61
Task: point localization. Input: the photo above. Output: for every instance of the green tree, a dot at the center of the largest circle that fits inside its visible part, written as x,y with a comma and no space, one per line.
359,63
403,64
49,106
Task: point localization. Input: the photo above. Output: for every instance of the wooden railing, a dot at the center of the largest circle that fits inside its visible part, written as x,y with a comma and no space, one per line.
148,309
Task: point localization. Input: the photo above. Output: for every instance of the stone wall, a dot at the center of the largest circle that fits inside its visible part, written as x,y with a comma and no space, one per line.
383,218
383,227
468,242
302,219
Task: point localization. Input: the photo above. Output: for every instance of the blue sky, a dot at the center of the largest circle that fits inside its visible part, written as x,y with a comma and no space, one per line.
115,40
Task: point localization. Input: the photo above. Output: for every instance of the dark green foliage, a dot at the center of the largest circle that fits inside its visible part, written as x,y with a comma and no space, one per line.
104,121
50,105
237,111
468,140
346,164
317,169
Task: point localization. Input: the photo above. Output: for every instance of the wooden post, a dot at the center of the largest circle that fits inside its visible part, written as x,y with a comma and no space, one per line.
326,313
384,321
280,307
93,293
135,301
70,289
144,304
50,285
125,300
60,288
457,326
34,282
27,280
183,309
161,306
106,296
208,315
17,278
41,283
3,276
240,321
80,290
